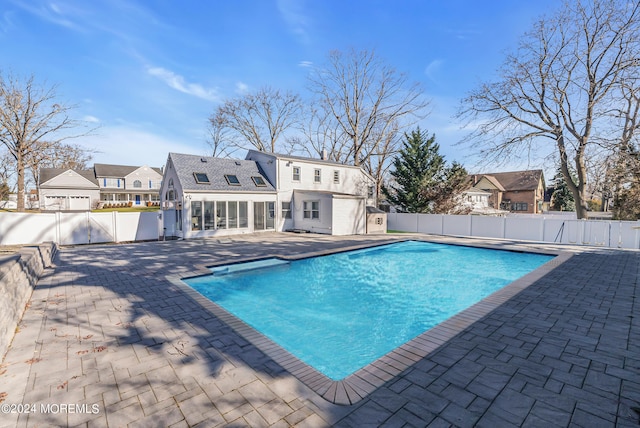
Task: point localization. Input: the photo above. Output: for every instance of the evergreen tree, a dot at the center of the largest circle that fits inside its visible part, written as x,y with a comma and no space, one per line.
561,198
422,181
4,191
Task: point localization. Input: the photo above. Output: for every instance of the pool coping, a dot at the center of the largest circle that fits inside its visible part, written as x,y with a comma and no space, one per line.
364,381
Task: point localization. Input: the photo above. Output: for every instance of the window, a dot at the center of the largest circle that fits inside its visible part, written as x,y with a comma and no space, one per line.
137,184
233,214
286,210
296,173
336,177
316,176
370,191
232,180
311,210
118,183
271,214
519,206
196,215
150,185
243,214
209,209
171,195
259,181
201,178
221,215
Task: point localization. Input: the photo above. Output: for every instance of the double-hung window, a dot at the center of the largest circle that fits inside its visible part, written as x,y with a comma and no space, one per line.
311,210
286,209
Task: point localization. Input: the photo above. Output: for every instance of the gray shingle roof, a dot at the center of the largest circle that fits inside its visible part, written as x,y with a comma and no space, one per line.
216,168
300,158
47,174
117,171
514,180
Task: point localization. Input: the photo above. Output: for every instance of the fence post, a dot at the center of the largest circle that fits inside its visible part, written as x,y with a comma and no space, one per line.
57,226
115,225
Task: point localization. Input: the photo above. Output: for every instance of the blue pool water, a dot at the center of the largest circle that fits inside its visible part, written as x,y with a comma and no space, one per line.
340,312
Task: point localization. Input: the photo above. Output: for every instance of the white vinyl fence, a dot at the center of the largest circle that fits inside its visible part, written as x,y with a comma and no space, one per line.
604,233
78,228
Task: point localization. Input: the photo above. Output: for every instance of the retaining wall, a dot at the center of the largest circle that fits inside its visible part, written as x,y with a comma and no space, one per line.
19,274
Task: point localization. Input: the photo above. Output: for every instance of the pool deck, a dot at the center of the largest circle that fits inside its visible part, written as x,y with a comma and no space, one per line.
110,339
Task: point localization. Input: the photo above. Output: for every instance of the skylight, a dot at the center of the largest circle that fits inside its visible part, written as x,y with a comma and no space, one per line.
232,179
259,181
201,178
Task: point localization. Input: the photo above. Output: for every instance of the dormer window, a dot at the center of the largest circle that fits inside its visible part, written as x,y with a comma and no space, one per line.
201,178
232,179
259,181
137,184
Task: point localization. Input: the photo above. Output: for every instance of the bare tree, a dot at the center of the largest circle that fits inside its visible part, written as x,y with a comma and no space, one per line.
57,155
6,170
219,140
365,99
260,118
319,134
559,90
29,115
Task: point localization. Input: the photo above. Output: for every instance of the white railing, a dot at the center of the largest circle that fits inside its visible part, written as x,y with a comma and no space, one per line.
78,228
602,233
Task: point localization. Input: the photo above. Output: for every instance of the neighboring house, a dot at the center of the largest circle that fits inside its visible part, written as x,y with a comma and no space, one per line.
121,183
206,196
517,191
67,189
71,190
476,201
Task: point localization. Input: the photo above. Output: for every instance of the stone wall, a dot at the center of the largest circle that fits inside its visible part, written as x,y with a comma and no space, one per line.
19,274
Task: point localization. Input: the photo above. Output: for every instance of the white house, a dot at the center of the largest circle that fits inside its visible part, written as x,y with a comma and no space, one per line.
206,196
123,183
67,189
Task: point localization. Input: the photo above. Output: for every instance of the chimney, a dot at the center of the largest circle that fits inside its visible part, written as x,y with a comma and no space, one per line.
323,155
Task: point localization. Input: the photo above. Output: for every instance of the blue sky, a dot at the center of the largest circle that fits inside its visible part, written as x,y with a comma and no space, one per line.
151,72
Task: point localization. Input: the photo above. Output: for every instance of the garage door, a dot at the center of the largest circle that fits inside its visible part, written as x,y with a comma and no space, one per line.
55,202
79,203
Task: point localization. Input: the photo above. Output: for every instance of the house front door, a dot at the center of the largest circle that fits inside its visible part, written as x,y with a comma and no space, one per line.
137,199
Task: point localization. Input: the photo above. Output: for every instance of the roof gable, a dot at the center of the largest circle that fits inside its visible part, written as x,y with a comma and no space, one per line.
144,171
189,167
67,178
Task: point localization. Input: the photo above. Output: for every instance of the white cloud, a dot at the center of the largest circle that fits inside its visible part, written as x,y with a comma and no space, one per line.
433,68
293,14
53,13
242,88
305,64
92,119
178,83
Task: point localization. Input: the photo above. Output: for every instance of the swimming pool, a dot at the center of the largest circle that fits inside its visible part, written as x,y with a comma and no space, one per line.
340,312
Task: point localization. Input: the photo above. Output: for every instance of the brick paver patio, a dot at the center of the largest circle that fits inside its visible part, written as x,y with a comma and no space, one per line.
110,340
